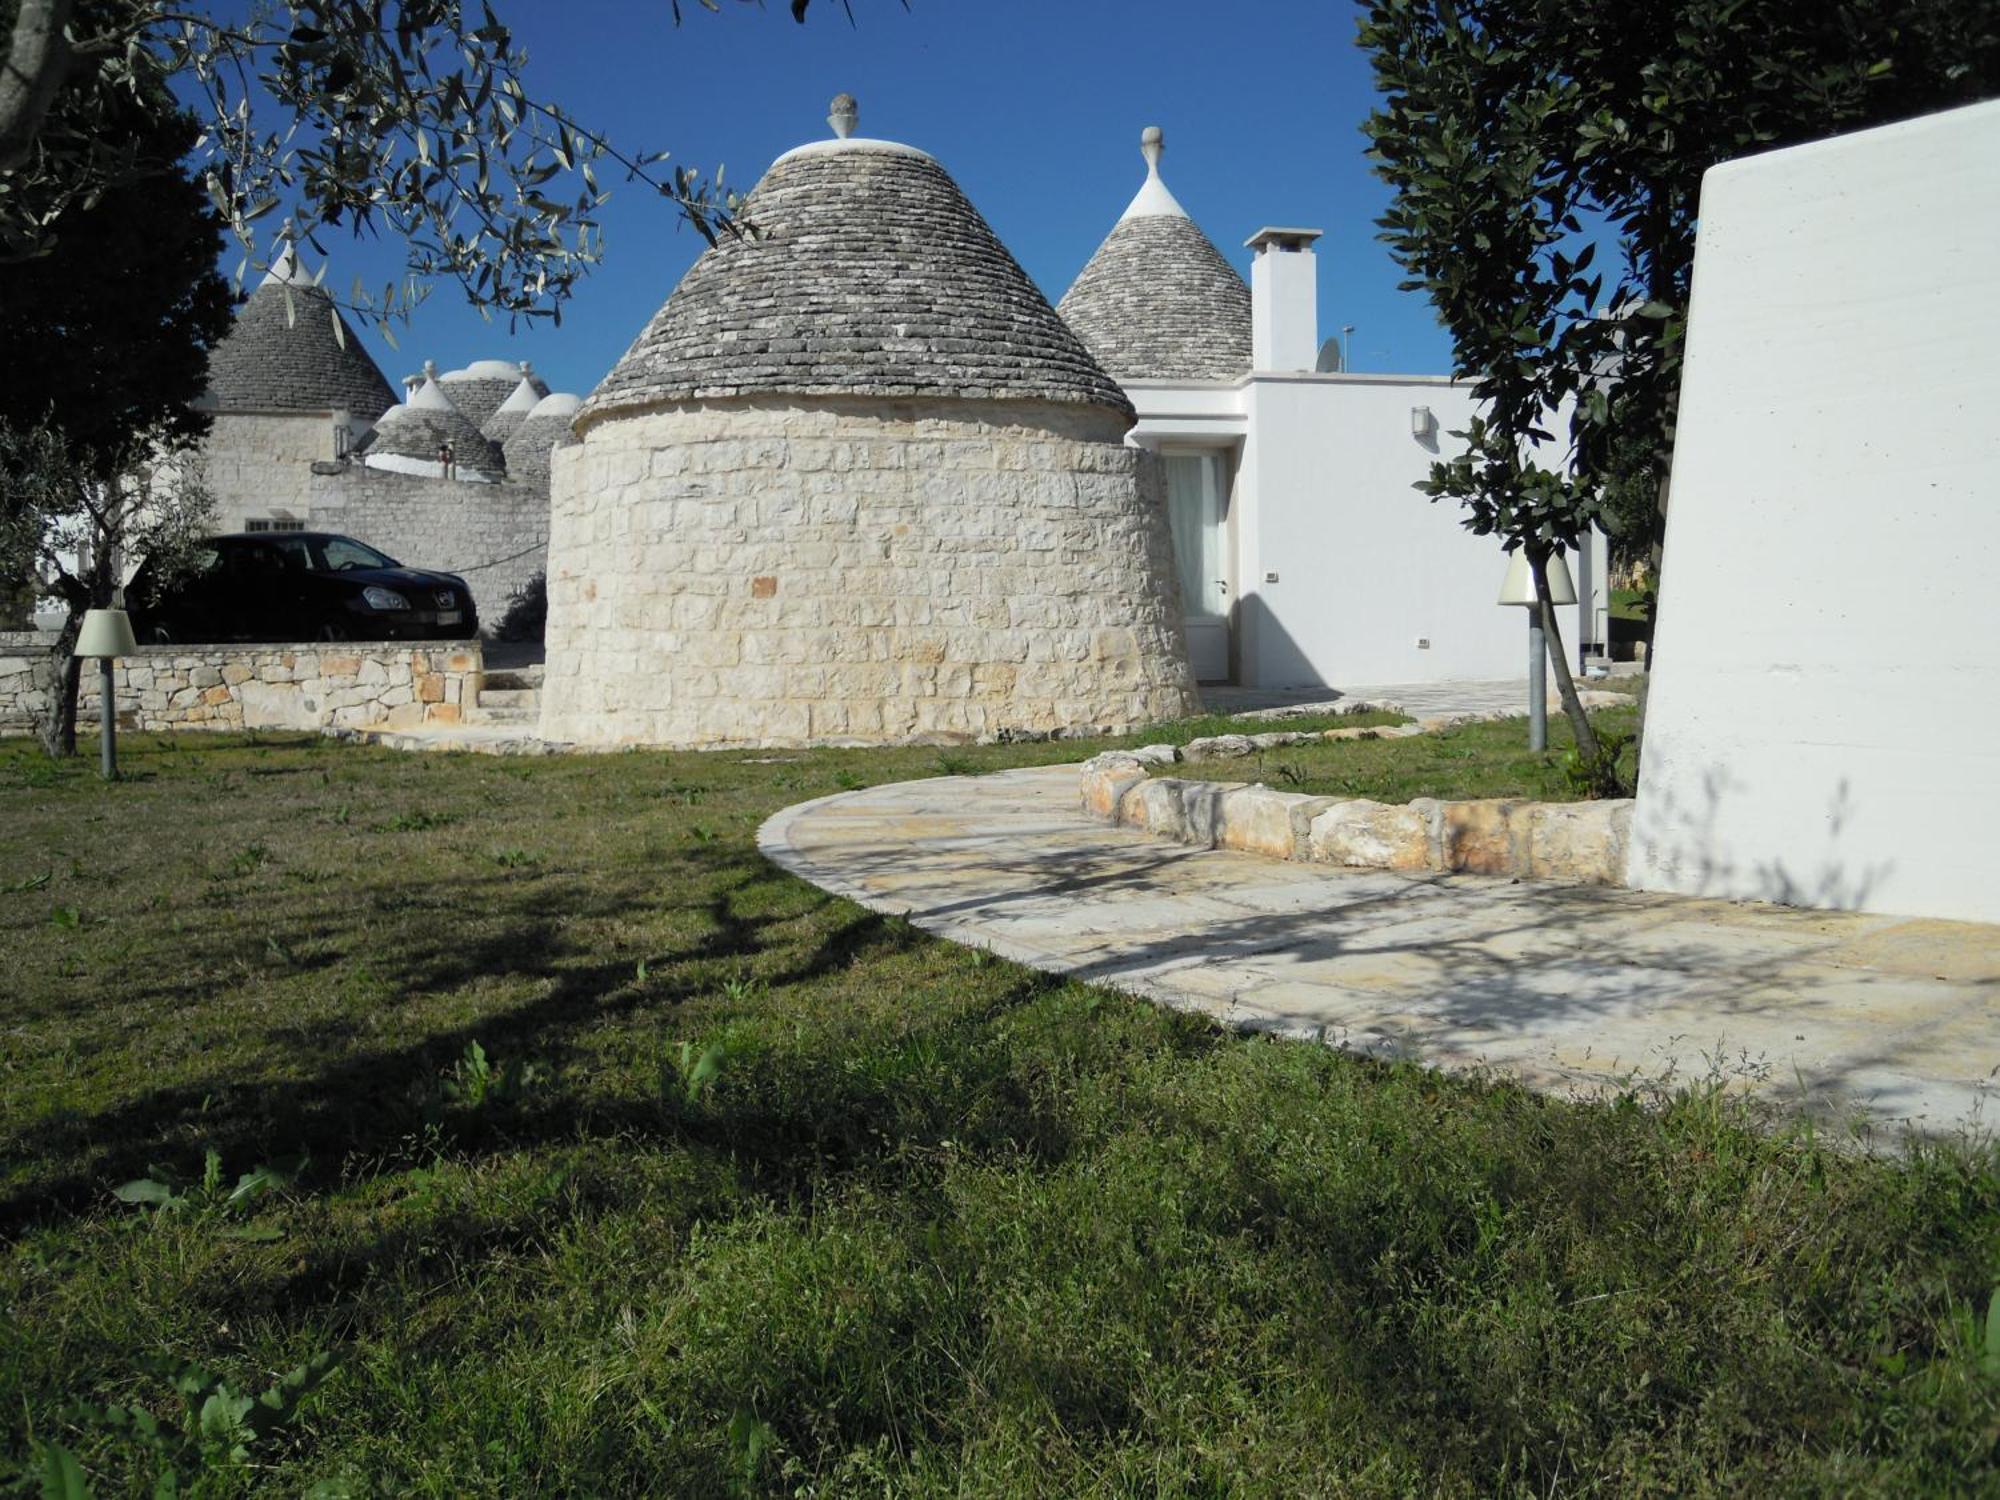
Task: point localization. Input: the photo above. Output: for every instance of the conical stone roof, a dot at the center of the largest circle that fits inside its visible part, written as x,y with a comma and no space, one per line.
868,273
1158,301
483,386
544,429
514,410
414,429
283,353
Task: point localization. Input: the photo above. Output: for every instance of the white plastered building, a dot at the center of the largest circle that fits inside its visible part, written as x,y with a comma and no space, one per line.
1306,556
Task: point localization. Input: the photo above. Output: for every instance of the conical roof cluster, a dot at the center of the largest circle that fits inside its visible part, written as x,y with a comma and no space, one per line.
863,271
1158,301
514,410
427,420
481,387
283,354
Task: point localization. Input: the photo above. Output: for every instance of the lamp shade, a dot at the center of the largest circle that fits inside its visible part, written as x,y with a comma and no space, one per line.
106,632
1520,585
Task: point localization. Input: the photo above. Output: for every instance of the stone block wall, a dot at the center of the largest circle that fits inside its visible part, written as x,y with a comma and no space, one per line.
260,463
496,536
785,571
347,686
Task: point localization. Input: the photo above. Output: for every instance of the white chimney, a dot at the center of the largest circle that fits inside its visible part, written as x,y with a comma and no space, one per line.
1284,300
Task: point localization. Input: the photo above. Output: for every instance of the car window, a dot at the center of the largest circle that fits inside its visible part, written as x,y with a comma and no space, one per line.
297,557
341,554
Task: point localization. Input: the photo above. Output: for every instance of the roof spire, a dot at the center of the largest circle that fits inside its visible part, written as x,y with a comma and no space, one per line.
1153,197
843,115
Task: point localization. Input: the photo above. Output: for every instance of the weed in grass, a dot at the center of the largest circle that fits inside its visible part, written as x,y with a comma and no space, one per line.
419,821
701,833
163,1192
67,918
27,883
221,1430
849,781
474,1079
247,861
515,859
954,765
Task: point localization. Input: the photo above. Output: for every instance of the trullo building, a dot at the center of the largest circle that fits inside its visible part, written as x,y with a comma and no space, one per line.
857,482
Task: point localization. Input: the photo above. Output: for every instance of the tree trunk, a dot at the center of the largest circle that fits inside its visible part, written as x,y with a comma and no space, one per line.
1579,722
37,58
56,726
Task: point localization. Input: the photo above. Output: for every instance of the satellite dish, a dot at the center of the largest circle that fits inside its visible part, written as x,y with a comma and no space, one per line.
1329,357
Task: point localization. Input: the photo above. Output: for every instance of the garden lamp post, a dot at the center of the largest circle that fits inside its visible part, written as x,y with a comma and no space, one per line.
1520,589
107,634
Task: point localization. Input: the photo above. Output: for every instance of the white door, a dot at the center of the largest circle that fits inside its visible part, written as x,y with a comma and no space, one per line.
1198,508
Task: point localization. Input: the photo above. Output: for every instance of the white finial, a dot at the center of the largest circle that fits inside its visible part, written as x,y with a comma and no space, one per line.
843,115
430,369
526,369
1151,144
1153,199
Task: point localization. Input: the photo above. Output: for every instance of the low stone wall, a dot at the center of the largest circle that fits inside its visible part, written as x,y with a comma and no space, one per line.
1581,842
350,685
23,661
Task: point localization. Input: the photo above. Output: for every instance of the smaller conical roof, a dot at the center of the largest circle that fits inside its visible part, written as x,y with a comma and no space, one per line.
1158,301
415,429
545,428
284,353
481,387
514,410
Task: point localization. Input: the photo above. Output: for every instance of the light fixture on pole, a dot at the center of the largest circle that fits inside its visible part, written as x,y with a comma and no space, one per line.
1520,589
107,634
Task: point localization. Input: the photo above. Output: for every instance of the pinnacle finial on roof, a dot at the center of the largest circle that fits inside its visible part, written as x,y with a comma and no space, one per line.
843,115
526,369
1151,144
430,369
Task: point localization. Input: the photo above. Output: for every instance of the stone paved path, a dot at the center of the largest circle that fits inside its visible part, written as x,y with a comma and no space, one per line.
1568,988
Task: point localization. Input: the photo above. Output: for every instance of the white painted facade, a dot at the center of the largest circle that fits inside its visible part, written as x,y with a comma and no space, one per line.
1824,726
1338,571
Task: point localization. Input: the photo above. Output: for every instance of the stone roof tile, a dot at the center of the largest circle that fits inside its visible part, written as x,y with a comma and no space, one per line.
283,354
869,273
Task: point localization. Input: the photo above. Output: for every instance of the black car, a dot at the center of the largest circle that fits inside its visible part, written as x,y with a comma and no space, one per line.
298,586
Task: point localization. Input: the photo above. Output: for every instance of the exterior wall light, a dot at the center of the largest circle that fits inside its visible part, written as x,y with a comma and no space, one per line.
1422,423
106,635
1519,589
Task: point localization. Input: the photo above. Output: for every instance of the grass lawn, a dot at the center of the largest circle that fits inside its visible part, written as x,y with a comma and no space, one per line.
633,1166
1473,760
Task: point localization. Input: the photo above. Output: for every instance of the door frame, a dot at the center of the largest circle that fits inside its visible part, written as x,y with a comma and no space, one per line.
1226,454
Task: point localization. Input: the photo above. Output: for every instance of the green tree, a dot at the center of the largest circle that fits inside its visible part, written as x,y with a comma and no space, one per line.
406,115
106,336
1547,158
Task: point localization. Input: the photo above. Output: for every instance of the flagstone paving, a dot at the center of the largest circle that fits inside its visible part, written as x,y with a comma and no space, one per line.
1576,989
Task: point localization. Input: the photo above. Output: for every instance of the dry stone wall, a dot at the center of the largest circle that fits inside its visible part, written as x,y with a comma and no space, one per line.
778,571
496,536
352,685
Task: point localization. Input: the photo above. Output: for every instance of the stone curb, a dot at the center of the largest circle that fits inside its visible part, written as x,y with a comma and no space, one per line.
1579,842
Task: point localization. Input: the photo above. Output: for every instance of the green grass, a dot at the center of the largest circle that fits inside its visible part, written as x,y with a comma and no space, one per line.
1474,760
747,1190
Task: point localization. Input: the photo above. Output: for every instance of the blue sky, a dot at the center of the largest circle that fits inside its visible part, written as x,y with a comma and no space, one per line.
1035,106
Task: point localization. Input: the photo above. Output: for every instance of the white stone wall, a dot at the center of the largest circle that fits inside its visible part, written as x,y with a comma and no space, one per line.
260,464
1826,703
495,536
352,685
777,572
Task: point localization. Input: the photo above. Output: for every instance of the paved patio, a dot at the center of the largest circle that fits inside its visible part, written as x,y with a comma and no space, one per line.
1572,989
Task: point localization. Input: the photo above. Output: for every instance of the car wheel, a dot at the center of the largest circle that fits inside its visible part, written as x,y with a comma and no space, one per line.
332,630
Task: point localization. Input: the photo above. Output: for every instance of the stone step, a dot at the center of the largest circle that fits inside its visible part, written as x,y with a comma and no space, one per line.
528,717
505,697
510,679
